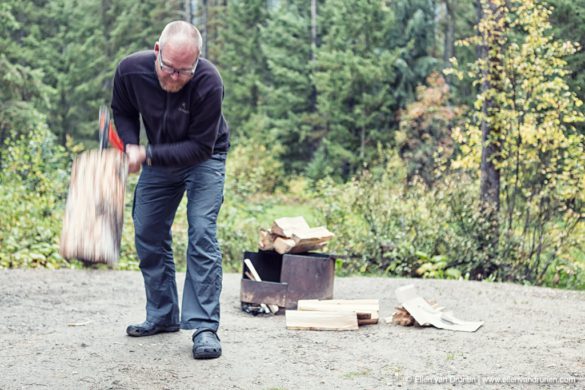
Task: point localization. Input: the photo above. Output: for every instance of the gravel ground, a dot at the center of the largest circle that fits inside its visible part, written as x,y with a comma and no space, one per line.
66,330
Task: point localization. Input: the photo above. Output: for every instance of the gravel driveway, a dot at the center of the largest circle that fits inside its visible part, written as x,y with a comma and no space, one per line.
66,330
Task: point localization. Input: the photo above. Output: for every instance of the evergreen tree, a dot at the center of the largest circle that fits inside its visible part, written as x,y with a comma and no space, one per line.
22,91
243,65
567,21
413,31
77,44
289,92
354,74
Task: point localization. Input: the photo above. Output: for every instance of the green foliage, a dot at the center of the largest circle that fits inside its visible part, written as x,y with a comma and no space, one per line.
541,159
413,32
77,45
290,93
567,22
385,225
242,63
252,169
381,226
22,92
354,69
424,138
33,171
326,109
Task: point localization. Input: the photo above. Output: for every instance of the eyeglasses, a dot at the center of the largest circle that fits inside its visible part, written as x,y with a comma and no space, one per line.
170,70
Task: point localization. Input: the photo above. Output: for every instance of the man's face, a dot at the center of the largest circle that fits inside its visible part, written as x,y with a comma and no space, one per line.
175,65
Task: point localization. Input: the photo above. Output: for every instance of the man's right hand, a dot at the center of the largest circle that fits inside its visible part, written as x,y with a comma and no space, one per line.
136,156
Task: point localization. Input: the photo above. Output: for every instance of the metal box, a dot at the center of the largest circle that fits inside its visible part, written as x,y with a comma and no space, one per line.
288,278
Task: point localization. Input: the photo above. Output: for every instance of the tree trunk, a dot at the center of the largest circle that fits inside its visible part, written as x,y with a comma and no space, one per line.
204,25
314,44
490,52
314,23
449,33
190,10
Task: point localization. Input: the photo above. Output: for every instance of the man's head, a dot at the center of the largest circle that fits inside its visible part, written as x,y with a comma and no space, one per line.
177,52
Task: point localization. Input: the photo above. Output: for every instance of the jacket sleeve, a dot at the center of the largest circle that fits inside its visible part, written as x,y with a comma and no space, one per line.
203,130
126,116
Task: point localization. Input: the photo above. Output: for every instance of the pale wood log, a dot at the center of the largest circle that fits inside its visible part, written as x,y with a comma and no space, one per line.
94,214
321,320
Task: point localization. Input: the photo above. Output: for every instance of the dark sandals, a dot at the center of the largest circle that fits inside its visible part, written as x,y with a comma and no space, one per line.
148,329
206,344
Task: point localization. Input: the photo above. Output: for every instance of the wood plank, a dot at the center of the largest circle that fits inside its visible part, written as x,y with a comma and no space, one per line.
374,318
360,306
367,310
321,320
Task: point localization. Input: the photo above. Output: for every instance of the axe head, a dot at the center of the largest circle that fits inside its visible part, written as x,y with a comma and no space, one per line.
107,131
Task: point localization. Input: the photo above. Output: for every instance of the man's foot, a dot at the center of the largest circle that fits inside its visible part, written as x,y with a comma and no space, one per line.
148,329
206,344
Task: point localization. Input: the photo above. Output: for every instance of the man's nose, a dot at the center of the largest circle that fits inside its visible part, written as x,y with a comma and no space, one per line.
175,75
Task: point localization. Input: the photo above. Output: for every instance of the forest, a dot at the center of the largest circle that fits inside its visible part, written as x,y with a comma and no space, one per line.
435,138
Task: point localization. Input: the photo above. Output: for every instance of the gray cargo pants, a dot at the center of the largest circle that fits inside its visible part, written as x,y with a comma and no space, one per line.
156,199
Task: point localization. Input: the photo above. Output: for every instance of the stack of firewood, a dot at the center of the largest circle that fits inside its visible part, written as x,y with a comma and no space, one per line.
333,314
293,235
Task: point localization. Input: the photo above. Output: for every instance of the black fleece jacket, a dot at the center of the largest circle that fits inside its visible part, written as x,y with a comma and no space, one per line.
183,128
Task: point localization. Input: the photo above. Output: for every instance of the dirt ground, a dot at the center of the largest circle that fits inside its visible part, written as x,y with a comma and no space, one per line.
66,330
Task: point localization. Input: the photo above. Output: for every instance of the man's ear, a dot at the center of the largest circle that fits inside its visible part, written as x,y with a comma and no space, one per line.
156,48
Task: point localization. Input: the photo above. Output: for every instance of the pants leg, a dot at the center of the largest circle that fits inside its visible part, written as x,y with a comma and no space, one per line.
156,199
204,184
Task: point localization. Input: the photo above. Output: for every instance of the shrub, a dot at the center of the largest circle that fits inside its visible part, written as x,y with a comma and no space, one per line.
32,195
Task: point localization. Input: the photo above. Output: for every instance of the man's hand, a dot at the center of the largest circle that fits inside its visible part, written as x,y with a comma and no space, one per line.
136,156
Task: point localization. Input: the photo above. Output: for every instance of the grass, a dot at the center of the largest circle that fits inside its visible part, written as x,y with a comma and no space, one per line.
357,374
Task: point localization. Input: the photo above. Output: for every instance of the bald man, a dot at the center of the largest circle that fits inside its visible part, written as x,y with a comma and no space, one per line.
178,95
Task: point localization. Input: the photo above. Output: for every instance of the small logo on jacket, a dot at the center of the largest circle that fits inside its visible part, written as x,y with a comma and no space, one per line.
183,108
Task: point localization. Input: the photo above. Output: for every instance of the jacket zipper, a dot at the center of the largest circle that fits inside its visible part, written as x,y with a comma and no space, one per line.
164,121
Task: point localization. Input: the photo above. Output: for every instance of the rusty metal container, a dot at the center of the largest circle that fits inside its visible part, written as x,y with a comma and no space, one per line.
288,278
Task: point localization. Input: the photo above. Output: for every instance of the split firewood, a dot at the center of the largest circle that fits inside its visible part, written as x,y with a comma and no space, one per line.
283,245
266,241
315,235
287,226
303,241
401,317
293,235
256,277
306,248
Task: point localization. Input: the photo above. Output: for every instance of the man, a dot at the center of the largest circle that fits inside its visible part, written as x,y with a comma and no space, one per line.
179,96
